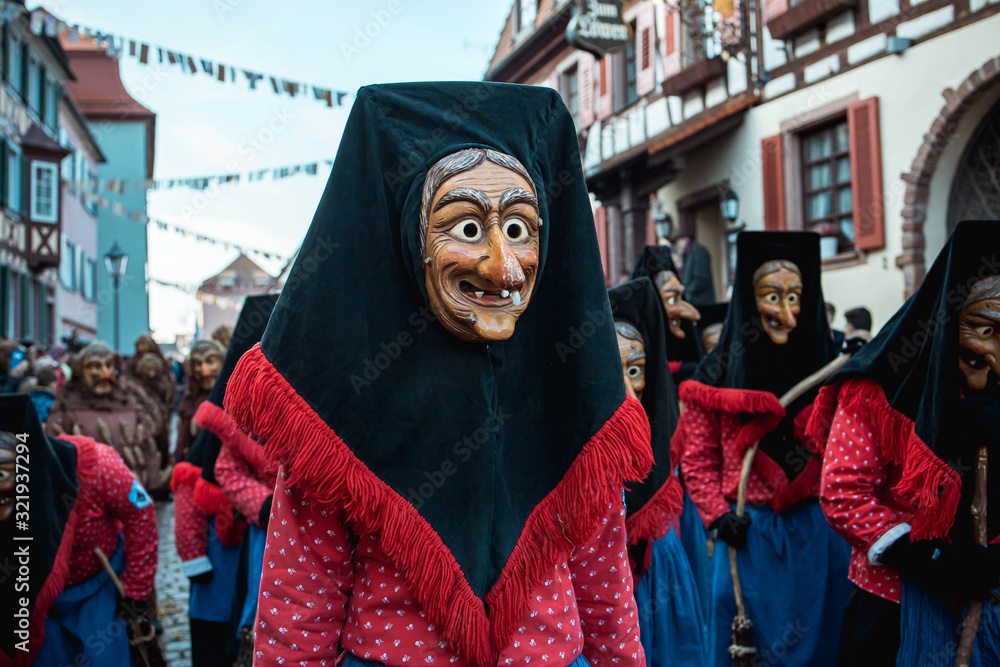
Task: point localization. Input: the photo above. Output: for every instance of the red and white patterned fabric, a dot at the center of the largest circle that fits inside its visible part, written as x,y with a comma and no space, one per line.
244,477
190,530
109,505
318,593
859,498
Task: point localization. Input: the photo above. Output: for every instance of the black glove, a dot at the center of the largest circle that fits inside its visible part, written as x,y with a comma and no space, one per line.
979,421
203,578
732,529
134,609
853,345
962,571
265,512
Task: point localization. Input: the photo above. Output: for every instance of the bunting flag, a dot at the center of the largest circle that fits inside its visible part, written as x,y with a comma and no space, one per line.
198,237
223,302
117,46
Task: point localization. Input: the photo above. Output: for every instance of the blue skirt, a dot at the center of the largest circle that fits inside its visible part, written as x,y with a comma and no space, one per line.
694,537
793,571
83,627
930,631
352,660
214,601
670,619
255,566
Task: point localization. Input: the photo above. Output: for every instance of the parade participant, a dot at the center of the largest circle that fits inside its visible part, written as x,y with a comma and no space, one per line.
151,370
670,613
684,348
453,462
13,365
902,423
94,403
208,538
792,566
203,365
223,335
710,325
695,265
86,498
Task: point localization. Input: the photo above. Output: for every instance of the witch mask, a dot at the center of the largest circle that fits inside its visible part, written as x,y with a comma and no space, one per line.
777,289
480,230
672,294
206,362
8,447
632,349
979,335
99,368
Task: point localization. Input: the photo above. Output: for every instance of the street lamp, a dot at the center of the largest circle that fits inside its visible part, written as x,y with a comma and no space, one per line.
115,261
729,204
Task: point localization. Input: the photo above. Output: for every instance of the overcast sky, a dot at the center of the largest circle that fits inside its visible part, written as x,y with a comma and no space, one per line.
203,126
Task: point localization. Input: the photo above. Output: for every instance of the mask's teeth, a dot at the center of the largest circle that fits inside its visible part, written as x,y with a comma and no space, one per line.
517,298
504,293
479,295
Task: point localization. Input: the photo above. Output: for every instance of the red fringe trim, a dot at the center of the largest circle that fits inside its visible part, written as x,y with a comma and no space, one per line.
185,474
929,484
211,416
217,420
653,519
86,461
764,405
261,401
214,502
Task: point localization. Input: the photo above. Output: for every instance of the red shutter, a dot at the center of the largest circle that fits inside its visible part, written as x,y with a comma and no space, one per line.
866,174
671,44
774,8
645,41
601,223
585,70
773,170
604,91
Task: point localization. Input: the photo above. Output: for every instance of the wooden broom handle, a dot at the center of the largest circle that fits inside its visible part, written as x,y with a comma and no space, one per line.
790,396
110,570
971,624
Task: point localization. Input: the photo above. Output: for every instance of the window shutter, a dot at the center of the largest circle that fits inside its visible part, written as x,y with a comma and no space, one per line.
645,43
773,171
3,47
671,44
585,70
866,174
774,8
605,90
601,223
25,179
24,73
3,172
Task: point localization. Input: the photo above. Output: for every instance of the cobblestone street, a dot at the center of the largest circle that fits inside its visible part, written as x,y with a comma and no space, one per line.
172,592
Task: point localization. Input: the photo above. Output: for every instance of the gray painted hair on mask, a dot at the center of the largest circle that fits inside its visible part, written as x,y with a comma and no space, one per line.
987,288
458,163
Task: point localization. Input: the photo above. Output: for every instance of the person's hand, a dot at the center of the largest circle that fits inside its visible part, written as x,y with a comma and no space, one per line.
962,571
203,578
732,529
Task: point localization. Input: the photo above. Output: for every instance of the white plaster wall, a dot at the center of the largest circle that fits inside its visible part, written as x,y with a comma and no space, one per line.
906,114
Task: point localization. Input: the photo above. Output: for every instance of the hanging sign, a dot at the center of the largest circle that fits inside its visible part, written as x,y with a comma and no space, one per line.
597,27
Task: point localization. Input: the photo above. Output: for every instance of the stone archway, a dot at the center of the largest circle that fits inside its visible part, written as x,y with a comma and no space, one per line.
918,178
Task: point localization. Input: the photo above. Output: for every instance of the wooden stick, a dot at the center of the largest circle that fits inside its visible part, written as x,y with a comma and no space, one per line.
110,570
971,624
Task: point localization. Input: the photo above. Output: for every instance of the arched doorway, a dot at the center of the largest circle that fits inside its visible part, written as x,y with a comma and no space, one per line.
975,192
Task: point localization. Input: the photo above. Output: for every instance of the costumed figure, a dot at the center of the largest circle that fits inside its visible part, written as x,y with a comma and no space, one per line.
150,369
82,496
792,566
451,485
223,335
203,365
670,613
207,529
695,264
684,349
710,325
912,432
13,366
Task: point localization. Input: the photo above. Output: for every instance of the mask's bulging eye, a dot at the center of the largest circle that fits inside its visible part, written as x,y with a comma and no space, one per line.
772,298
793,298
634,372
984,332
467,230
672,301
515,230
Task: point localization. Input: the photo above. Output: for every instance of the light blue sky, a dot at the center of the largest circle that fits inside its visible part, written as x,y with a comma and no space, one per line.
203,126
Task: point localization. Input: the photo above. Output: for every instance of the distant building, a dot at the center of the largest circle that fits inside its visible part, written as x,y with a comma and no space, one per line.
125,132
222,295
34,73
873,122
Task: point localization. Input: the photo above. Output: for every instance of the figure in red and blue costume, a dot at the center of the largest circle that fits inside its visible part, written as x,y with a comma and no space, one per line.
453,462
792,566
902,424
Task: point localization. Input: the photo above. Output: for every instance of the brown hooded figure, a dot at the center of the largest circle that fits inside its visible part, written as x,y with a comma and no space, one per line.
149,368
203,365
96,404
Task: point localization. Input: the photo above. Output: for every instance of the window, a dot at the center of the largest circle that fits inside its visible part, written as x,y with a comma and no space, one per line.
27,316
826,183
631,92
44,192
623,63
569,87
14,181
67,265
89,278
14,67
525,12
50,104
35,77
227,280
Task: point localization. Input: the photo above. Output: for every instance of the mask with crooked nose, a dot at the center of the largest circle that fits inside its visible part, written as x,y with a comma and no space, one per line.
480,228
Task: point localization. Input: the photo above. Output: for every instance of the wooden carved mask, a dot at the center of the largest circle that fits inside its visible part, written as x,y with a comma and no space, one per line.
979,334
672,294
632,349
777,287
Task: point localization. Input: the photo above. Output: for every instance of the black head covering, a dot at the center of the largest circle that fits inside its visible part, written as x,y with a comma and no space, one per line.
638,303
474,436
53,487
711,313
914,358
656,258
248,331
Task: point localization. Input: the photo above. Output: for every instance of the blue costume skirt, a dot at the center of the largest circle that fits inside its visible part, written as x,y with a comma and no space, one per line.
694,537
930,631
83,627
255,565
214,601
670,619
793,571
353,661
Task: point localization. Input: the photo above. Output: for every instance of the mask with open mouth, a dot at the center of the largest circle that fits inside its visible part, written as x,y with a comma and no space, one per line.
481,243
99,368
979,335
677,309
777,288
